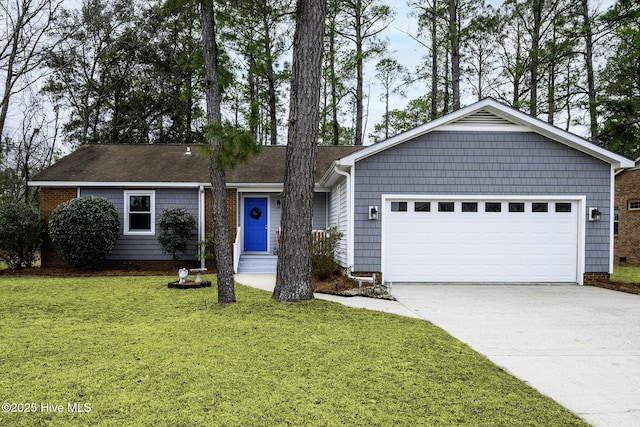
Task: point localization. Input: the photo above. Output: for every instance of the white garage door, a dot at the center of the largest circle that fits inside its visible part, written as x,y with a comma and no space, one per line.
480,240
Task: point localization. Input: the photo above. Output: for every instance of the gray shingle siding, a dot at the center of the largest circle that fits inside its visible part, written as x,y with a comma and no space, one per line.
147,248
473,163
320,206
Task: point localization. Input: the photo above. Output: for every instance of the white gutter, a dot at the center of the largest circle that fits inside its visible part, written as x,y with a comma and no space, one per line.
127,184
350,200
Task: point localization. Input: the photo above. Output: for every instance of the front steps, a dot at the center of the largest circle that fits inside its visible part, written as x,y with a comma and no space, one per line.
257,264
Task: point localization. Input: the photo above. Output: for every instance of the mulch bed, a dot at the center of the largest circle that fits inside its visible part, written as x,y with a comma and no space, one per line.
343,286
630,288
189,284
76,272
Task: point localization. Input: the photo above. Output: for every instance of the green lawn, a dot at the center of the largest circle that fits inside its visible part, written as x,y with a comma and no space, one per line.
626,273
139,354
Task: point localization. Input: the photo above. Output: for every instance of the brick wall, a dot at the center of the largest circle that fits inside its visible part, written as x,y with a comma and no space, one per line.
50,198
593,278
627,242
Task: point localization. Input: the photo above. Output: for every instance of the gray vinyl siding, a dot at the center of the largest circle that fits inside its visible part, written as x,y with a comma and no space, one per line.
142,247
275,217
338,217
474,163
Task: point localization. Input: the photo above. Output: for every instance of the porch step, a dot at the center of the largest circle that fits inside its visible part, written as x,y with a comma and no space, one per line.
250,263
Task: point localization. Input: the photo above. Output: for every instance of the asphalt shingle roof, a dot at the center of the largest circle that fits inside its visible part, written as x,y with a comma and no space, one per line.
170,163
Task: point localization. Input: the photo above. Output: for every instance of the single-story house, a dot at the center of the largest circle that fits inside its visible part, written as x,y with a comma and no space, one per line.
484,194
626,220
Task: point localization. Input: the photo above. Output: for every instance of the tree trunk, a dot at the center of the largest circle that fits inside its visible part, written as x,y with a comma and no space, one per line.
359,75
293,279
454,40
535,55
591,82
271,85
222,243
333,82
434,62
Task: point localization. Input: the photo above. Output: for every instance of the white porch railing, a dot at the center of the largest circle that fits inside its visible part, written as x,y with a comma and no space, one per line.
236,250
318,235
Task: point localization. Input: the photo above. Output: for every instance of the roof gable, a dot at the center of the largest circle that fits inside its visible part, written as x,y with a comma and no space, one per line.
490,114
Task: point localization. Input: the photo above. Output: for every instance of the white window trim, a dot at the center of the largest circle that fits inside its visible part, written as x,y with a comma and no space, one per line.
634,201
152,195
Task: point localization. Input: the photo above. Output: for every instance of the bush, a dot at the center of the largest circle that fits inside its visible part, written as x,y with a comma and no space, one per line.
84,230
175,227
323,253
20,231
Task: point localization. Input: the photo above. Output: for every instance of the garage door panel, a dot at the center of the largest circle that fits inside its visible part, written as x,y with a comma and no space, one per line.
481,246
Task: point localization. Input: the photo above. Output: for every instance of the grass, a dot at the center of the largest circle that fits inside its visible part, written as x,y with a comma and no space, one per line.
140,354
626,273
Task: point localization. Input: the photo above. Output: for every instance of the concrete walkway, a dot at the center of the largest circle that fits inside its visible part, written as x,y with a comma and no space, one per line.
579,345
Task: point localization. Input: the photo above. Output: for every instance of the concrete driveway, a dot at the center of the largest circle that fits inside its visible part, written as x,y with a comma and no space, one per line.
579,345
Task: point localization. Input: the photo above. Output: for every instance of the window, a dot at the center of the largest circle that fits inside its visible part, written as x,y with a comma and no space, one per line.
539,207
516,207
493,207
139,212
445,207
563,207
422,207
398,206
634,205
469,207
615,221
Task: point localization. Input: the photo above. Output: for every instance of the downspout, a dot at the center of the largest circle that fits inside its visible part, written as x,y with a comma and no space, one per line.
350,257
201,224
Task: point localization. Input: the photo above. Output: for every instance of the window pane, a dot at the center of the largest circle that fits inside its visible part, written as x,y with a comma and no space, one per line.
493,207
398,206
139,221
540,207
469,207
139,203
422,207
516,207
445,207
563,207
634,204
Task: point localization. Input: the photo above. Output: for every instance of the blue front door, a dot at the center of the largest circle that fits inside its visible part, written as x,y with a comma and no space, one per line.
255,224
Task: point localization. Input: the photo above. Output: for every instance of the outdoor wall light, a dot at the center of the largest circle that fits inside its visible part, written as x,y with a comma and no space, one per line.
373,212
278,203
594,214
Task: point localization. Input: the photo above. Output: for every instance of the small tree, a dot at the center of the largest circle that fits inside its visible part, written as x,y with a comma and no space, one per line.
84,230
20,230
176,227
323,253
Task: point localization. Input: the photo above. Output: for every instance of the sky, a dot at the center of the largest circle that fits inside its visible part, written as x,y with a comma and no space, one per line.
410,53
404,49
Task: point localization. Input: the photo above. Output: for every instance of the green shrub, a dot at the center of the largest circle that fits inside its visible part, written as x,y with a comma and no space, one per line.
176,227
323,253
84,230
20,231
